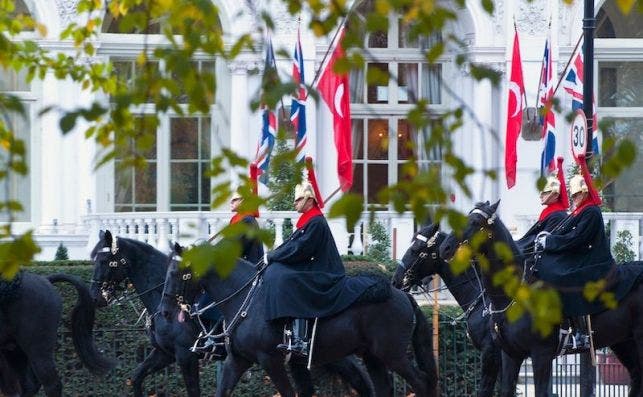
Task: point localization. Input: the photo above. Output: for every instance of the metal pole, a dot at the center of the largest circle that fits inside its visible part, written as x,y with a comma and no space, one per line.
589,25
587,370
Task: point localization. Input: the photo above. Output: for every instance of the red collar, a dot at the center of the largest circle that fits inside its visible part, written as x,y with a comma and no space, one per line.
307,216
551,208
587,203
238,217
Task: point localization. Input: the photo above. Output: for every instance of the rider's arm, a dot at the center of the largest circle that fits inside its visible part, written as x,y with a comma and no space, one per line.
581,235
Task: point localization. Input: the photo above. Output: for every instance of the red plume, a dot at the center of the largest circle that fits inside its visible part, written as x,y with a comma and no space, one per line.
563,197
313,181
254,174
593,194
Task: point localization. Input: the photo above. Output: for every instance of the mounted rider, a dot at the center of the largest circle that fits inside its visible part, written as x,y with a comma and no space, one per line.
305,278
554,198
577,252
251,250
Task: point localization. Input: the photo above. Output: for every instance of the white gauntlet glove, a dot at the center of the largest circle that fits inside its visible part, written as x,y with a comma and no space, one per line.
541,241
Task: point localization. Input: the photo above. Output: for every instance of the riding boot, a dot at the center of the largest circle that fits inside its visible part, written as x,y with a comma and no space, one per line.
296,338
579,340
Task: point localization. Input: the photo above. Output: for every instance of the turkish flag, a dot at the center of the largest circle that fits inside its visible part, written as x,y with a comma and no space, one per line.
333,88
515,104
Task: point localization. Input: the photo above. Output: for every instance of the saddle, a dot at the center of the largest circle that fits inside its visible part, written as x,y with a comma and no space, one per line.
376,293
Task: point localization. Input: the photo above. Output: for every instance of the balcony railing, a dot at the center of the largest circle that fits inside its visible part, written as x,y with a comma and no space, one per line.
159,228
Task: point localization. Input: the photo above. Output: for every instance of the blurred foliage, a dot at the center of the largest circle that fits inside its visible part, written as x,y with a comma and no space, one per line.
191,28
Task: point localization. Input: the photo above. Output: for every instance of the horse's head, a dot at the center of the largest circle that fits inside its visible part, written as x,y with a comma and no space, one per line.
181,287
421,259
481,219
110,268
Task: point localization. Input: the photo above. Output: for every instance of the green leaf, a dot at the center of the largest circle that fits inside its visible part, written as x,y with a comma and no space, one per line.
349,206
487,5
68,121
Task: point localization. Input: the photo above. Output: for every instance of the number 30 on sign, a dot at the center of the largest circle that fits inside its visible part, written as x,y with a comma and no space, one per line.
579,134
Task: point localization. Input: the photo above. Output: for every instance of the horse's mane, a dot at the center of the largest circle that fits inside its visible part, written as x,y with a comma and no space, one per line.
500,230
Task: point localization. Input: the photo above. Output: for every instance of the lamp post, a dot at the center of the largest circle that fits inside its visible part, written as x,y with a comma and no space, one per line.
589,25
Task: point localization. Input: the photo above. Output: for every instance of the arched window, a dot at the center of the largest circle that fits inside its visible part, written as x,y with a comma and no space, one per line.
620,95
383,138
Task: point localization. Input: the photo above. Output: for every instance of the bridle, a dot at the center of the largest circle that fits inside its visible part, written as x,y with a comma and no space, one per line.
117,262
242,312
411,272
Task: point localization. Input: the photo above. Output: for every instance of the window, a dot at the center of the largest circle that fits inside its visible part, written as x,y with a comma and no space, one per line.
620,96
180,155
383,139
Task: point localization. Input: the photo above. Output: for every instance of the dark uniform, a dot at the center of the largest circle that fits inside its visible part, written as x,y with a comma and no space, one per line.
574,254
554,214
251,250
305,277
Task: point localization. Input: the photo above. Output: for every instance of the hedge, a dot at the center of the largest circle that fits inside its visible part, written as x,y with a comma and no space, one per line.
118,334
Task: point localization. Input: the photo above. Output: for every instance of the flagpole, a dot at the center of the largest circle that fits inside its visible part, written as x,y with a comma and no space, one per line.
562,76
524,95
330,47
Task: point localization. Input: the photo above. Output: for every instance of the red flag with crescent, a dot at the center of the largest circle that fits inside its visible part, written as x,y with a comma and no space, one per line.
333,88
515,104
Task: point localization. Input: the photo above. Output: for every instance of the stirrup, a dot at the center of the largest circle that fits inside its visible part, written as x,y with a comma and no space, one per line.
298,348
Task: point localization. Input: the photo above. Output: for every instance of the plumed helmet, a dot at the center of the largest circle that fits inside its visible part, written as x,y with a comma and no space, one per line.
577,184
304,190
236,195
552,185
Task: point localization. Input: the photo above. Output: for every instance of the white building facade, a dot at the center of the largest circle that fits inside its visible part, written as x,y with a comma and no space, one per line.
67,200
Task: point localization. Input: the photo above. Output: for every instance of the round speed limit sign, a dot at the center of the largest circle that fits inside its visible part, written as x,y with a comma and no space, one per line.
579,134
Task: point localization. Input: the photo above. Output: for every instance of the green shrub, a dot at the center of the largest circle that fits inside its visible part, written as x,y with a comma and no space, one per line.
622,248
61,253
118,334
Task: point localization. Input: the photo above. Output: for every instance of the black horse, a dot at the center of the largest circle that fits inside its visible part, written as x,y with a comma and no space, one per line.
120,259
621,328
29,320
422,260
365,329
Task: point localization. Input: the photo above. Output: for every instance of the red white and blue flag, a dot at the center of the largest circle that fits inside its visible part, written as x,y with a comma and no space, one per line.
269,124
573,85
298,105
547,119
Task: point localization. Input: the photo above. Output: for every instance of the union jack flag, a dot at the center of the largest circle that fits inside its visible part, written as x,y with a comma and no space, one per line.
547,119
298,105
269,124
573,85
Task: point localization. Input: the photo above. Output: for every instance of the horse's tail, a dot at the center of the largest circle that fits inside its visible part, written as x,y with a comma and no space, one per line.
423,346
82,324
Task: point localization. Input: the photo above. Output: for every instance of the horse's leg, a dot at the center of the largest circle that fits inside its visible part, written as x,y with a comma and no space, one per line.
491,361
629,358
155,361
302,378
382,379
509,375
418,380
45,370
542,373
9,379
352,372
274,367
189,363
233,367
